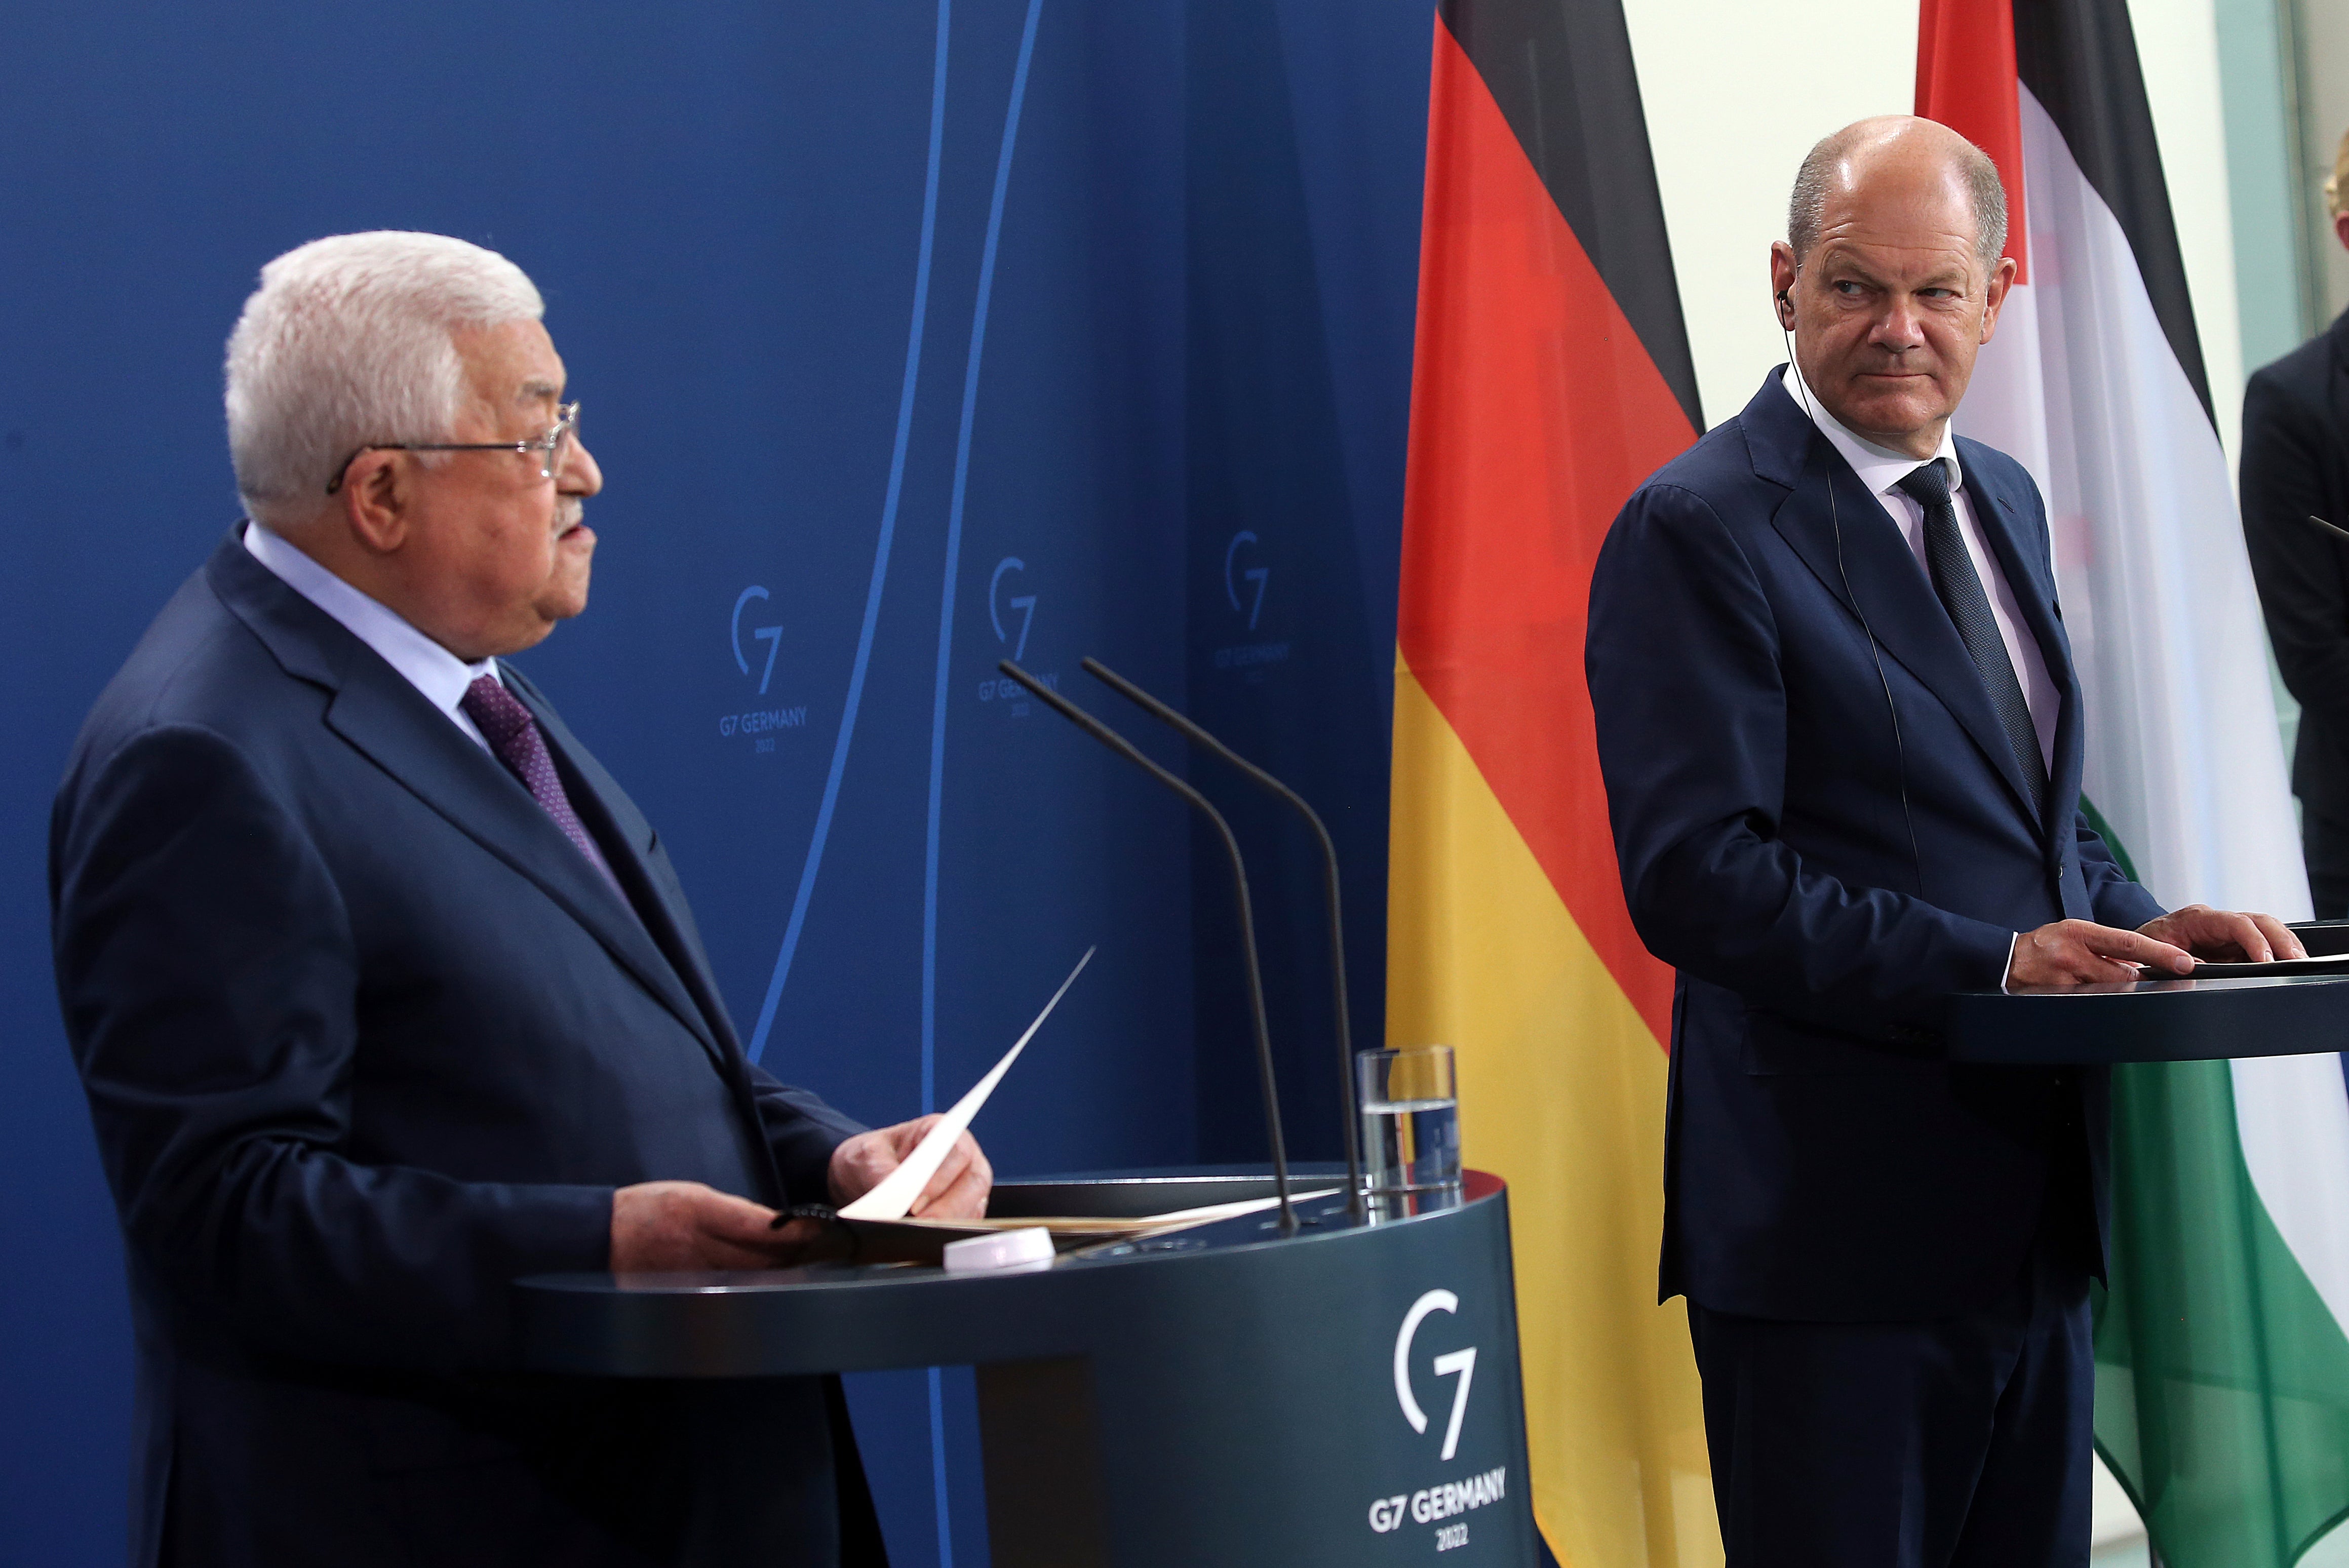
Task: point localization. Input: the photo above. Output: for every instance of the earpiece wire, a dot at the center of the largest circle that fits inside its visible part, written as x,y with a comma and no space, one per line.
1835,519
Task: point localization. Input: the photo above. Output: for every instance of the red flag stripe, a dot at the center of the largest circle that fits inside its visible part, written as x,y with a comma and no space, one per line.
1535,411
1966,80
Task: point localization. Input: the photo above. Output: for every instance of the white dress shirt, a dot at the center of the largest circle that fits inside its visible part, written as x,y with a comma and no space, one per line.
1882,471
431,670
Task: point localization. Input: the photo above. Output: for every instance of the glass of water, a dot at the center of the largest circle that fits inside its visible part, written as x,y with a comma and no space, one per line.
1410,1125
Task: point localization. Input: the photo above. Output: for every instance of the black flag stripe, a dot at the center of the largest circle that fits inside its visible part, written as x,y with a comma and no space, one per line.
2079,59
1561,72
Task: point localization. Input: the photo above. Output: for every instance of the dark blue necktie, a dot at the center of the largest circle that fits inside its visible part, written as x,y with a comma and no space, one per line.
1960,590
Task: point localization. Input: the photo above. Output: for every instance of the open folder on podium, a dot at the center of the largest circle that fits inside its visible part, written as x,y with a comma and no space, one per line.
885,1229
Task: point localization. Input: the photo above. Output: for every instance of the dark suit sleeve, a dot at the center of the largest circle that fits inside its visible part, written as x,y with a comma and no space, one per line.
800,1130
2116,899
803,1131
207,974
2296,565
1682,657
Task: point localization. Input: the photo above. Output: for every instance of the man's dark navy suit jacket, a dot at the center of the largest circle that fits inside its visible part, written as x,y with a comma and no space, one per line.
366,1038
1823,1159
2296,466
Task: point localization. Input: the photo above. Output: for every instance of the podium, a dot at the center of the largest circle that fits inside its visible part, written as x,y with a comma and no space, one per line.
1349,1395
2175,1021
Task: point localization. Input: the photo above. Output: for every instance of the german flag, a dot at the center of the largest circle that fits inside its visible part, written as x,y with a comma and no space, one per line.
1552,375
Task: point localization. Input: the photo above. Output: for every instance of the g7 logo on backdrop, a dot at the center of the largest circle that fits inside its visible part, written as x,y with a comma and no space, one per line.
1024,604
1255,576
771,636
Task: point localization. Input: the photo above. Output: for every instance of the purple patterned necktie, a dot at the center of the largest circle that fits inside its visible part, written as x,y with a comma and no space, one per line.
514,738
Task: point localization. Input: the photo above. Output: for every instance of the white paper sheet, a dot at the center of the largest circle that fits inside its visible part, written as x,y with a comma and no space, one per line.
893,1197
1209,1212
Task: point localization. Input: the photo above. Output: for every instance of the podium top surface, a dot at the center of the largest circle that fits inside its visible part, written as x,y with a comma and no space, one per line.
2174,1020
827,1317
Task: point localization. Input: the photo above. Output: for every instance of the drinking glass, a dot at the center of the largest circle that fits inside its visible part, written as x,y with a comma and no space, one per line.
1411,1125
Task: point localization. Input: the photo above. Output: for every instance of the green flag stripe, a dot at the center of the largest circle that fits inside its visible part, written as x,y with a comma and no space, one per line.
2222,1379
2112,839
2219,1370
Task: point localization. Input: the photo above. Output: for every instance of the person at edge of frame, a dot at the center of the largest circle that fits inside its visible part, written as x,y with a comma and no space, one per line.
2295,467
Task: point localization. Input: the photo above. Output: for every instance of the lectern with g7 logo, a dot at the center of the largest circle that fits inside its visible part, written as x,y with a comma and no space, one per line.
1345,1396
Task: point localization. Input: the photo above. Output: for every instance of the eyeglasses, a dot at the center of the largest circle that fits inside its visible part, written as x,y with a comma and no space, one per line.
549,447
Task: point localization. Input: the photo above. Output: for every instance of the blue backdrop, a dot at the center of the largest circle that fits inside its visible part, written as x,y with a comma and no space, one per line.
911,336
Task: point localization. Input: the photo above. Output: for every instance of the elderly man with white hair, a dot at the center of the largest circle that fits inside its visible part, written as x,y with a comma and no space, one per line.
385,995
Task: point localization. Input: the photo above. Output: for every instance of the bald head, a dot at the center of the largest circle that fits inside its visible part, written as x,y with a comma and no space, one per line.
1896,156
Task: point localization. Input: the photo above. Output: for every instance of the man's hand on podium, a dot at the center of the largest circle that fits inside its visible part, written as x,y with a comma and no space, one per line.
957,1191
2082,953
2225,935
664,1226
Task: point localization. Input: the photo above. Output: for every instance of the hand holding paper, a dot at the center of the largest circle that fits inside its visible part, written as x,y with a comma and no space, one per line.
957,1189
893,1197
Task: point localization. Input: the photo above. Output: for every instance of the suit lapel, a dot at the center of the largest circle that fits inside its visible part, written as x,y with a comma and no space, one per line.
629,846
1872,573
628,841
380,714
2336,387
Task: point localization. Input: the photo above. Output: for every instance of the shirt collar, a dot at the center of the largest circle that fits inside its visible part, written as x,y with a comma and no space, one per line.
1880,469
431,670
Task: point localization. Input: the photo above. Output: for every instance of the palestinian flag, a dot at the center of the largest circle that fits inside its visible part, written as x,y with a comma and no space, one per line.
1552,375
2223,1377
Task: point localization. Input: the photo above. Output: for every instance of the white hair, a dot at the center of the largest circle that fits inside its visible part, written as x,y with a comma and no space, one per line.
348,343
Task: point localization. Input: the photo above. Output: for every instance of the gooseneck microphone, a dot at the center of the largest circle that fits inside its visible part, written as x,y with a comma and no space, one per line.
1127,748
1184,726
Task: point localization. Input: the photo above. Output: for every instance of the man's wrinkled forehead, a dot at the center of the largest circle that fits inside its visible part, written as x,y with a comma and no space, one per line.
1925,225
512,367
1890,193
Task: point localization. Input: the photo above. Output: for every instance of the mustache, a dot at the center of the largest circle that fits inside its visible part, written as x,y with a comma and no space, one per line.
569,515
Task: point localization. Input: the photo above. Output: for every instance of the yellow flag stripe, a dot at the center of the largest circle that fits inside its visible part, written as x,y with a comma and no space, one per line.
1561,1094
